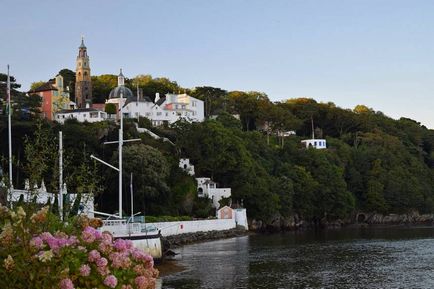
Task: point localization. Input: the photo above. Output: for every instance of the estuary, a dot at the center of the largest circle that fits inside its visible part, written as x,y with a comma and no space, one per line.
390,257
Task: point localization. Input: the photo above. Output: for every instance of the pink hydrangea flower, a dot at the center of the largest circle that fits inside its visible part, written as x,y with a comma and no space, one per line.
111,281
141,282
66,284
103,271
88,235
36,242
84,270
93,256
106,236
45,236
105,247
120,245
102,262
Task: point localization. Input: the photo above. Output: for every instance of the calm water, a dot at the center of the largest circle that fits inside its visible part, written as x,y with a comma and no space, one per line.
369,258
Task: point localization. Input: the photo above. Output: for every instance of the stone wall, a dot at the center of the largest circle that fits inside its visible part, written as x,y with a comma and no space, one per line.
183,227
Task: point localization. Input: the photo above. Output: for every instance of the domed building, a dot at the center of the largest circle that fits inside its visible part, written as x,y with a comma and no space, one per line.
165,110
121,89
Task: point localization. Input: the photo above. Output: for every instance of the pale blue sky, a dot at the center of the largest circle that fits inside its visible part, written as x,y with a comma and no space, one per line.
378,53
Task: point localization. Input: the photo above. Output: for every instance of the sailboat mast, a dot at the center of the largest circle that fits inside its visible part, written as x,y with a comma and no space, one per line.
8,89
132,201
121,140
60,200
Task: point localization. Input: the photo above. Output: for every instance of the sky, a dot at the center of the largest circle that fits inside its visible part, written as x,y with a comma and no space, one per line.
379,53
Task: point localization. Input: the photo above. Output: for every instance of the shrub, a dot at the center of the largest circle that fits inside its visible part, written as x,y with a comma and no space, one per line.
33,257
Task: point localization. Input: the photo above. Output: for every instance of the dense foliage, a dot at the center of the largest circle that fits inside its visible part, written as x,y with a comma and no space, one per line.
373,163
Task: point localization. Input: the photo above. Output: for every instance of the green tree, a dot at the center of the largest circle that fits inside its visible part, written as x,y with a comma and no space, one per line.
69,81
150,172
36,84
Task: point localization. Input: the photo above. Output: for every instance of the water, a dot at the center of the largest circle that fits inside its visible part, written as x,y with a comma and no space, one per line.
345,259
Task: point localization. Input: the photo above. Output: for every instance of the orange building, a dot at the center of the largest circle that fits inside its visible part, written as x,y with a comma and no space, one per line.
54,97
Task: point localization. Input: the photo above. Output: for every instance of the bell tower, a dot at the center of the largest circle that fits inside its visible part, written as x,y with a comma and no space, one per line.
83,84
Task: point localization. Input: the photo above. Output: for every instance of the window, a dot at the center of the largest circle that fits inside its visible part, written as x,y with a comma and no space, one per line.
167,114
183,106
159,113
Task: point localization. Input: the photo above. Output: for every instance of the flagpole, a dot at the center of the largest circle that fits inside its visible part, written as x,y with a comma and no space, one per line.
9,131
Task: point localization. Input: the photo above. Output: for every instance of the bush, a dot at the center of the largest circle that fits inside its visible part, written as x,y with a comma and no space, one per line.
33,257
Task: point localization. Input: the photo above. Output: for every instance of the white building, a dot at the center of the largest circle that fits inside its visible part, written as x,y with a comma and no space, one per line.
81,115
164,110
315,143
208,188
186,166
240,216
42,197
286,133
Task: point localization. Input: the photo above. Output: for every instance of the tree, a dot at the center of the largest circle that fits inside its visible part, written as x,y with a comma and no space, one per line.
375,201
69,81
110,108
215,98
36,84
40,154
150,86
150,171
247,105
102,85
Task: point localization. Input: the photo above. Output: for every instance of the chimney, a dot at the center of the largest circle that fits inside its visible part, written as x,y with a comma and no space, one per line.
157,97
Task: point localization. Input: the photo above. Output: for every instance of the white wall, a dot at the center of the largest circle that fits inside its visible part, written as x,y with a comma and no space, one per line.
182,227
42,198
241,218
315,143
81,116
217,194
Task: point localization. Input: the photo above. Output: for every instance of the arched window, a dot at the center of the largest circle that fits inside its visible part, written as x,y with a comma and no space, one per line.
85,73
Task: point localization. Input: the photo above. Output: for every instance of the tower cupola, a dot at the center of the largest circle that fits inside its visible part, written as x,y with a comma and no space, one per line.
121,79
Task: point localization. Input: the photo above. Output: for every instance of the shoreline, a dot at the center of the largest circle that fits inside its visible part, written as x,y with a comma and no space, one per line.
176,241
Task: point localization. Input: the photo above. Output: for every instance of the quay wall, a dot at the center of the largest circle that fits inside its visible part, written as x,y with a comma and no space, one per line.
185,227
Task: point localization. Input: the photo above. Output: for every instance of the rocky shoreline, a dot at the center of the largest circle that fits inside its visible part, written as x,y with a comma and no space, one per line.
294,223
172,242
360,219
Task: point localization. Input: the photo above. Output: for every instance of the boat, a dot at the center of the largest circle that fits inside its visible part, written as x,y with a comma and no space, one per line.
144,236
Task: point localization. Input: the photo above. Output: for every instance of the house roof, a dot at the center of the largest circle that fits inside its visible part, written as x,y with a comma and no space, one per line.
45,87
161,101
134,99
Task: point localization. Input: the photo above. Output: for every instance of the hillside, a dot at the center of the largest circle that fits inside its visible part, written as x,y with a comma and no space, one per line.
373,163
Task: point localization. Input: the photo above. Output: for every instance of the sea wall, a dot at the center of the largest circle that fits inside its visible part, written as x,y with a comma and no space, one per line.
174,241
184,227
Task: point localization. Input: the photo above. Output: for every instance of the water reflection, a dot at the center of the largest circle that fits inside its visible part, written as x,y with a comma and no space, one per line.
346,259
